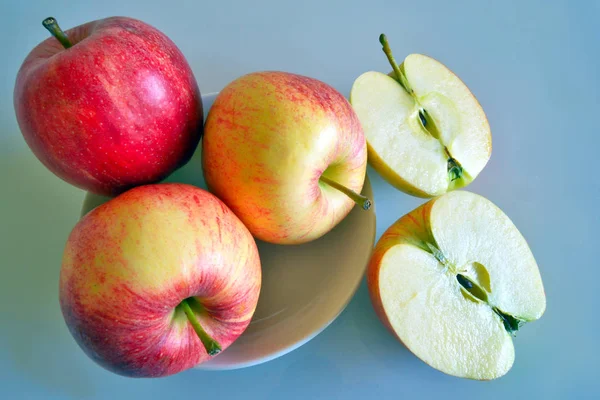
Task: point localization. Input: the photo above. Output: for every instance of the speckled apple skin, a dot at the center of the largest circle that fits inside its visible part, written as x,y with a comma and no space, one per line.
119,109
129,263
268,138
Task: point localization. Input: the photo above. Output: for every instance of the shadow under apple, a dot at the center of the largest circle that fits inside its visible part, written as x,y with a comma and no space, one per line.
38,212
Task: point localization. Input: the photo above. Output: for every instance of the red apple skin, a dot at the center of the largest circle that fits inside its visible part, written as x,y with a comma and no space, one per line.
119,109
131,261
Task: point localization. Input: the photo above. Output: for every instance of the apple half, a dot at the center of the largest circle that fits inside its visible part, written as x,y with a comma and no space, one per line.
426,133
454,280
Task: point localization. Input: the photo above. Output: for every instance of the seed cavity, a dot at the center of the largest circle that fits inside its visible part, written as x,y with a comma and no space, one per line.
472,287
472,290
422,118
467,284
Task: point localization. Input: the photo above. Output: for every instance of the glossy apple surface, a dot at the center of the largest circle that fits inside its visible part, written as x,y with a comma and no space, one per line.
133,265
119,108
269,139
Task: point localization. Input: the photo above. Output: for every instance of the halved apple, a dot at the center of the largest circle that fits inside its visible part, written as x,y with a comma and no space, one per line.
426,133
454,280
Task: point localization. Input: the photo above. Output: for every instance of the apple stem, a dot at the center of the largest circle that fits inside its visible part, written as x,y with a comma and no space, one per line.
212,347
51,24
388,52
399,75
359,199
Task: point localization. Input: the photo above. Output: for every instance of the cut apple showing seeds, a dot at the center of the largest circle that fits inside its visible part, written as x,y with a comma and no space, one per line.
426,133
454,280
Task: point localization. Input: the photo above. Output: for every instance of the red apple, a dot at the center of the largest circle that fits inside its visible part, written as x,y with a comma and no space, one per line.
119,108
158,280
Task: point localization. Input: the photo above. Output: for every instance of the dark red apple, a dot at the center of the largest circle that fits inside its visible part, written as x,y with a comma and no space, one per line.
108,105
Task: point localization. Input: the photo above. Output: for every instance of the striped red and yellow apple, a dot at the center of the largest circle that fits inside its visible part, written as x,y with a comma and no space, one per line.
286,153
158,280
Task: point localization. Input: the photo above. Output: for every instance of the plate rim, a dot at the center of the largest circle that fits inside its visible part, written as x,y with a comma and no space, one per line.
207,366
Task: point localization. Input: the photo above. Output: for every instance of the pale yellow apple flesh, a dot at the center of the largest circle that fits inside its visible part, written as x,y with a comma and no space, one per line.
427,135
454,279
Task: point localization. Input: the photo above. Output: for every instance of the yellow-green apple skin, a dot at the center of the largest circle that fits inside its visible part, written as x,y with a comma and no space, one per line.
268,138
414,280
128,265
411,156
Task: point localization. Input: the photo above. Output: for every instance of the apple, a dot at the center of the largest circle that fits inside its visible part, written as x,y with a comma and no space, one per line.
159,279
454,280
108,105
426,133
286,153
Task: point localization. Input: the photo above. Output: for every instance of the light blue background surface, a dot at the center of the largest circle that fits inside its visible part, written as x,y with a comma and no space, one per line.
534,68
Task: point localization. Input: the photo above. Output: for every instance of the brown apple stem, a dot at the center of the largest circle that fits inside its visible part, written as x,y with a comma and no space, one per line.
51,24
212,347
359,199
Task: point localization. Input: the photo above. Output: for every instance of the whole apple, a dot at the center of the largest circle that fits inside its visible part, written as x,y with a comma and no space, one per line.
286,153
158,280
108,105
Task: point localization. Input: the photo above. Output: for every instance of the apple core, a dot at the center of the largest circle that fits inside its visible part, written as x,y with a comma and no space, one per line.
425,120
475,290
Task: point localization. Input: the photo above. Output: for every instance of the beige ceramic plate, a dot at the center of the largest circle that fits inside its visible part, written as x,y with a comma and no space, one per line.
304,288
